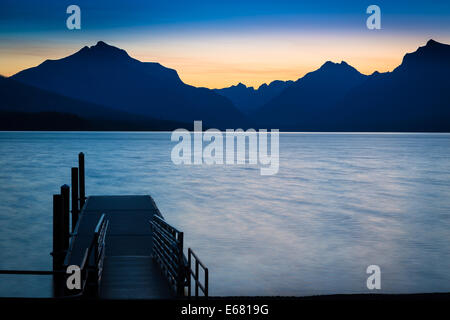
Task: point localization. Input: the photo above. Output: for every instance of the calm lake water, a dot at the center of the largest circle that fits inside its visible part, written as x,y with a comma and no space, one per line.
339,203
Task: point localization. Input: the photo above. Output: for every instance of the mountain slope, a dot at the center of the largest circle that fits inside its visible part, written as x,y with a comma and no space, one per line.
20,99
248,100
413,97
108,76
306,102
103,81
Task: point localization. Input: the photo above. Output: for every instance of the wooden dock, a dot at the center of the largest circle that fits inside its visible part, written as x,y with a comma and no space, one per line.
129,272
121,246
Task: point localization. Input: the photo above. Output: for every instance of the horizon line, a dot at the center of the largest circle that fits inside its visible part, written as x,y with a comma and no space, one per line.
234,83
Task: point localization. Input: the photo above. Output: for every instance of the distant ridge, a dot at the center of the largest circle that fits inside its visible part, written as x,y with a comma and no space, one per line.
106,81
248,99
18,100
108,76
336,97
307,100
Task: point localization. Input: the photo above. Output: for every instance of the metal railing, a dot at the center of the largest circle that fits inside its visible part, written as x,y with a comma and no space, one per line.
168,252
196,275
92,273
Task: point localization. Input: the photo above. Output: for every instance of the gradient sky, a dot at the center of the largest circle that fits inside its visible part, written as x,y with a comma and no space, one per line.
221,43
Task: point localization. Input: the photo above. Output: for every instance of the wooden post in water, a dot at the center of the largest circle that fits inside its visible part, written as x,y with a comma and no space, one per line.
58,244
82,183
74,198
65,193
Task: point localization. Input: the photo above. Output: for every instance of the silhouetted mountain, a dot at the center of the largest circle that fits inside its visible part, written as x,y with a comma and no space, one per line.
430,58
306,101
247,99
98,83
38,121
414,97
108,76
18,99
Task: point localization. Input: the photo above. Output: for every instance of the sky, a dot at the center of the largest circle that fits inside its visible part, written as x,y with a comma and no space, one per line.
216,44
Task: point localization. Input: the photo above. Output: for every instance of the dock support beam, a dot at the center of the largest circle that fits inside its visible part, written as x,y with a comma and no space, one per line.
74,198
82,183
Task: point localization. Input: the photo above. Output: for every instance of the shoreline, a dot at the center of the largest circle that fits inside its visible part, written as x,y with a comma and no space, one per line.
433,296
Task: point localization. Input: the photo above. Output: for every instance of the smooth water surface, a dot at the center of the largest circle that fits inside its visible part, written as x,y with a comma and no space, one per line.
339,203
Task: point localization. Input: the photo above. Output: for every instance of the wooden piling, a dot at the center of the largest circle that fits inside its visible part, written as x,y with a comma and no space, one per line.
82,181
65,193
74,198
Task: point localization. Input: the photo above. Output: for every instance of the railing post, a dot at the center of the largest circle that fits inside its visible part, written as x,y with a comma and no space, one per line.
82,181
206,282
58,244
65,193
74,198
197,279
96,247
189,272
181,267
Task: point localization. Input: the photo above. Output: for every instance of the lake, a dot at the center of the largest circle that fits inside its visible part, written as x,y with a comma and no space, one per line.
339,203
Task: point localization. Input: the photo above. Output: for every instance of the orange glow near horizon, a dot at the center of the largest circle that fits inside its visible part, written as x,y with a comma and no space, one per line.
222,61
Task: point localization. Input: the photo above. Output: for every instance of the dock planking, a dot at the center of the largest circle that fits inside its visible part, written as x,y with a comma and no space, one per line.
129,271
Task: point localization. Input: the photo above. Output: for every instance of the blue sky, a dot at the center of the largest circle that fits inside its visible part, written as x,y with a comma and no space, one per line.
32,16
175,33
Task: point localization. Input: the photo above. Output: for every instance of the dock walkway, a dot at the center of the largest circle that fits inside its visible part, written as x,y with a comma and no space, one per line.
129,272
117,247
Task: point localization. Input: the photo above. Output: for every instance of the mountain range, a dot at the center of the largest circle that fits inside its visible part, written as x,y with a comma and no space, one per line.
108,76
249,99
336,97
104,85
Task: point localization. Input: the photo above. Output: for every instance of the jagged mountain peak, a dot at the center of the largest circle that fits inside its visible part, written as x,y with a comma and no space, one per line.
432,47
330,71
433,43
334,66
105,75
432,55
102,50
